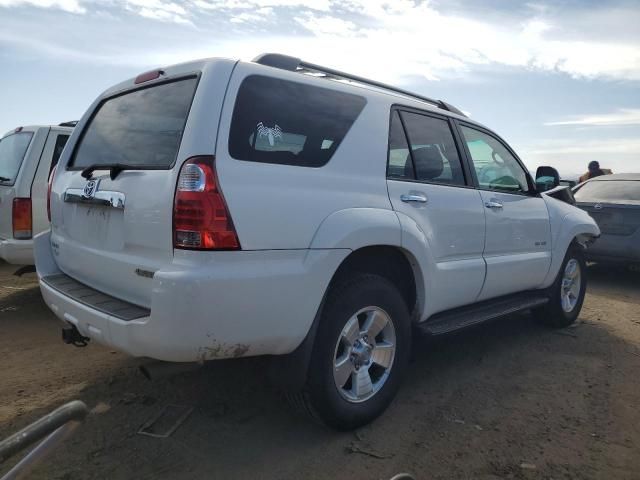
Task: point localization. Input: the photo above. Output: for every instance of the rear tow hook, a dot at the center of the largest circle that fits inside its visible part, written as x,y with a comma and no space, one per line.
71,335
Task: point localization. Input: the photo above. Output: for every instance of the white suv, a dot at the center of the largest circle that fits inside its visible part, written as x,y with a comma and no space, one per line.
27,156
221,209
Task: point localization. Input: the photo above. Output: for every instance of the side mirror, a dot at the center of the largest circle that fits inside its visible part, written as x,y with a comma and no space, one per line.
547,178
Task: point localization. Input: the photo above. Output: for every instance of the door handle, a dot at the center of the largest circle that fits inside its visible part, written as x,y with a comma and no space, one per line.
413,198
494,205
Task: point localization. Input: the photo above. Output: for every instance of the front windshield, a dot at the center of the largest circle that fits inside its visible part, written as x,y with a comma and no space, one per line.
12,151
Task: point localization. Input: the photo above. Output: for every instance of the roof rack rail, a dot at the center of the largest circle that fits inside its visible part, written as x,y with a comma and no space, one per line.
294,64
71,123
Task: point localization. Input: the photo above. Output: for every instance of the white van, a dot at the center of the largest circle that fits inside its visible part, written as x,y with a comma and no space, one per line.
222,209
27,156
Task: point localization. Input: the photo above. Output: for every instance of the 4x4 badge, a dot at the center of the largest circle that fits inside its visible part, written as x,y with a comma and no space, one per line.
90,189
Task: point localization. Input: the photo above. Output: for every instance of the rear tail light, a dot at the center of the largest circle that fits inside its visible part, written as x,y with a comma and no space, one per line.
201,219
22,218
51,175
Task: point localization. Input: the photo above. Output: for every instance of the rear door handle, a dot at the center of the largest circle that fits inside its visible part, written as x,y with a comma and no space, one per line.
494,205
413,198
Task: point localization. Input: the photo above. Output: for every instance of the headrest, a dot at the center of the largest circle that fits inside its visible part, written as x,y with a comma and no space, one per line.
428,163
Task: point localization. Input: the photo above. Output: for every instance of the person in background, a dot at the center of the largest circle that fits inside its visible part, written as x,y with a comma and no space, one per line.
594,171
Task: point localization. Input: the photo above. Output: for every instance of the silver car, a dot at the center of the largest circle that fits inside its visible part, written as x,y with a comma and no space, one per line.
614,203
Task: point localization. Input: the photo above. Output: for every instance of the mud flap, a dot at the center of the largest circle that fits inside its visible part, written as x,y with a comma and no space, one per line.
289,372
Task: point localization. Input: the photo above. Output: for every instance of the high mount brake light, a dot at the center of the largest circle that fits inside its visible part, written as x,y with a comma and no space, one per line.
50,184
145,77
21,218
201,219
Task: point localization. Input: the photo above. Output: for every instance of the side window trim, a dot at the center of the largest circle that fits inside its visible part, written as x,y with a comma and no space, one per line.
406,138
393,114
471,181
532,191
468,182
468,161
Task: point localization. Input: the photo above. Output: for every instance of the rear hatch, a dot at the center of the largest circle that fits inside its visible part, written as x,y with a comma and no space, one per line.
614,219
613,204
13,150
117,238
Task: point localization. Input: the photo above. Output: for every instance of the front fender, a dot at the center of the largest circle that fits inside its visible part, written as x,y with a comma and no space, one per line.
567,224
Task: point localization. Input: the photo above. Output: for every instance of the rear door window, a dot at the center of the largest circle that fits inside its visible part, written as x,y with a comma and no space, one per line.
12,151
284,122
431,155
61,141
609,191
142,128
400,164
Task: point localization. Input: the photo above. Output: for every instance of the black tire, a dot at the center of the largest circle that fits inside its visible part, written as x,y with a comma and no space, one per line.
321,397
553,314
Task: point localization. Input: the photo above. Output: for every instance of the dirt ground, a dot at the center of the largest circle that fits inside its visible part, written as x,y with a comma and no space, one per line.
507,400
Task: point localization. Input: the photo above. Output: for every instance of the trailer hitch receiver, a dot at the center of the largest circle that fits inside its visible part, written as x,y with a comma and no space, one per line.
71,335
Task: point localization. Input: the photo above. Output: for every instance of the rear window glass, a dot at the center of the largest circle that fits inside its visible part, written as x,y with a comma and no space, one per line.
12,150
278,121
614,191
142,128
61,141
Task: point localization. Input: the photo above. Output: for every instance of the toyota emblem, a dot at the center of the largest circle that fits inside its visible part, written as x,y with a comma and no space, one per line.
90,188
598,206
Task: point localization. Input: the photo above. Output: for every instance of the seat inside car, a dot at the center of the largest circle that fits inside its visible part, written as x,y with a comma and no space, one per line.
428,163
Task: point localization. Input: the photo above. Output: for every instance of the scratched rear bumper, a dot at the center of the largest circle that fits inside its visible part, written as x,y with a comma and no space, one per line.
211,306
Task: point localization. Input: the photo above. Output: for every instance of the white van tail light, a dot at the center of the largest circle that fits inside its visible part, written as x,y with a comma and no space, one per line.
51,175
21,218
201,219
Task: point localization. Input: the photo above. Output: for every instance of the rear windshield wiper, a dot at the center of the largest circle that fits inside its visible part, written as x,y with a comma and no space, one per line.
116,168
5,179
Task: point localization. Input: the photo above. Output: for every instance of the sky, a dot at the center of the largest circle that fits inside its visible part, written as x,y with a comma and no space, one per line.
558,80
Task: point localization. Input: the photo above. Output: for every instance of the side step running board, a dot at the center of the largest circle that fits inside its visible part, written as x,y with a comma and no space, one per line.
451,320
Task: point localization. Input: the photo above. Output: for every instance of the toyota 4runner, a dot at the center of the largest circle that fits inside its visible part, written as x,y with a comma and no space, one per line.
221,209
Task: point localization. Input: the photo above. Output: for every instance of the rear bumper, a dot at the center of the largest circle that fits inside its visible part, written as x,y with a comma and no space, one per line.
615,249
240,304
17,252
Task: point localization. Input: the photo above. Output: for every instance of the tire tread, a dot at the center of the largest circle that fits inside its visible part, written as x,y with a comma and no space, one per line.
301,401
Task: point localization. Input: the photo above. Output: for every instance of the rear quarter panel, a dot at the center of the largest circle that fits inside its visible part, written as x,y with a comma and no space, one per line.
282,206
